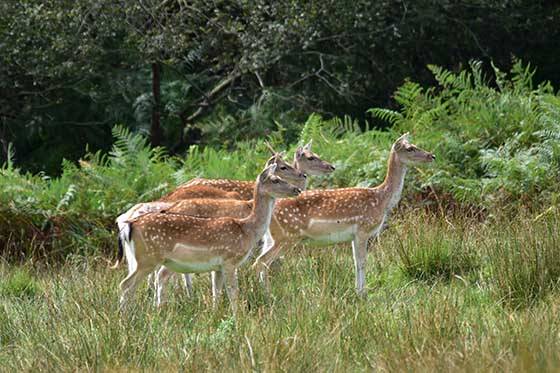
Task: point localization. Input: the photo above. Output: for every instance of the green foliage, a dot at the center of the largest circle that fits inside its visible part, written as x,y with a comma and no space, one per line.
497,149
495,144
78,209
70,69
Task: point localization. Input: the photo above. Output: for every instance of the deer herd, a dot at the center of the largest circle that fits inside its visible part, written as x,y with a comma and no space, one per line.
214,225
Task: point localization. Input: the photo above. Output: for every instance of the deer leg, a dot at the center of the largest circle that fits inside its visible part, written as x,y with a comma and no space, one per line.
269,255
217,286
359,251
267,242
161,279
130,283
187,282
230,276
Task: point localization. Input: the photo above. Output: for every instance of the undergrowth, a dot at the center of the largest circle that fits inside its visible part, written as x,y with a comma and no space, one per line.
496,140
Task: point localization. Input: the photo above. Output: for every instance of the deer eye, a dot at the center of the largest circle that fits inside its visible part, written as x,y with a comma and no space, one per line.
411,149
283,168
311,158
275,181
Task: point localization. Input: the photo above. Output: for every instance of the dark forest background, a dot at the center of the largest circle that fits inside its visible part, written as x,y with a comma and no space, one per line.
216,72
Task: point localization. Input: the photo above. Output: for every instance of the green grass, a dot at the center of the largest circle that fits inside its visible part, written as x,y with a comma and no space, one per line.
443,295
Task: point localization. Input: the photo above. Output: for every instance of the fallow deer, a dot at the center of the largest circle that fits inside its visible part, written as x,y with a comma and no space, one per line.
284,171
341,215
304,161
194,245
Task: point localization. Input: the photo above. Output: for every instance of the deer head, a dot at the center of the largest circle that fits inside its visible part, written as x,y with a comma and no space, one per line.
310,162
285,170
409,153
272,184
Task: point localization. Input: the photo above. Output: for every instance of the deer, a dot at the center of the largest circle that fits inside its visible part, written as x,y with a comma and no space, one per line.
283,170
188,244
305,161
341,215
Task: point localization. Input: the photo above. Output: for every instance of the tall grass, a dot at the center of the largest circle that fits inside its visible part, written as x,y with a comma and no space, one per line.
312,320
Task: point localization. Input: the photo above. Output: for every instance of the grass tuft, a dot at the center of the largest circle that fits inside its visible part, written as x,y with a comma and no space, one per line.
19,284
436,251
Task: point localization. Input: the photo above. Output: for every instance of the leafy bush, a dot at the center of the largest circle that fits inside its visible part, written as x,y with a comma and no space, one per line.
496,140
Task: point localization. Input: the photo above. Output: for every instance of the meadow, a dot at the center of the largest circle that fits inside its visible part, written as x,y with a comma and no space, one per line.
464,278
443,294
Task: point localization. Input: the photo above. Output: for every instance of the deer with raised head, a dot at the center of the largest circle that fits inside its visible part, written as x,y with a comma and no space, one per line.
284,171
305,161
188,244
341,215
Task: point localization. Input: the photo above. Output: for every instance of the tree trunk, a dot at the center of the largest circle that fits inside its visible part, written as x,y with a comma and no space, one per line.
155,129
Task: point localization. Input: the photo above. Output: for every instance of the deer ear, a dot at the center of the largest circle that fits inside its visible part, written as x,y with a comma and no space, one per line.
404,138
269,170
308,145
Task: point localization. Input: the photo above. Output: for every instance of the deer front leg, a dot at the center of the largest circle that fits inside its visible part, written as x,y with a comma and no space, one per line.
187,282
162,277
217,286
230,276
359,251
267,257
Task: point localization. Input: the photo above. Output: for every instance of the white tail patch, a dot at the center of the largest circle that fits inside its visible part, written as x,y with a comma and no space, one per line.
128,246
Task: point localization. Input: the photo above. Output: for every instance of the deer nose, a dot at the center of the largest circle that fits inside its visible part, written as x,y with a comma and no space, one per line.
432,156
333,168
297,190
304,176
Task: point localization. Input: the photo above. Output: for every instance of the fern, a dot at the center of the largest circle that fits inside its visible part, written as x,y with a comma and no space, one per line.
408,93
67,198
387,115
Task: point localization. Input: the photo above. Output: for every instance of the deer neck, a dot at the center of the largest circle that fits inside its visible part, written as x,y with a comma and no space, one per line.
393,184
256,224
297,166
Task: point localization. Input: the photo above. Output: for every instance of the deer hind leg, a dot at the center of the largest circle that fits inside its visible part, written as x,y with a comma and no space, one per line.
130,283
187,283
359,251
217,286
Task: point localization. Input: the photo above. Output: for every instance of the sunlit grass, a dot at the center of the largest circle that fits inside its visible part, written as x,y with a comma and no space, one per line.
428,308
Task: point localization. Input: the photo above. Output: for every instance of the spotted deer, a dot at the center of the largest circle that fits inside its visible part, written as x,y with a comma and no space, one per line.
305,161
284,171
341,215
191,244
